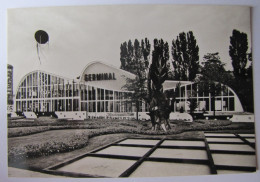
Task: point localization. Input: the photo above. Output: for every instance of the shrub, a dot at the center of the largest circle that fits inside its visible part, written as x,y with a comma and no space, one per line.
103,127
22,131
45,148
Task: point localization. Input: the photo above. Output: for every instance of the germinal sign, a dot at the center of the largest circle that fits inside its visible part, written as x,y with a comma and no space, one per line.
100,76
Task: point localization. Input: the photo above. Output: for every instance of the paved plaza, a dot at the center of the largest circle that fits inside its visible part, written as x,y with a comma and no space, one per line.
217,153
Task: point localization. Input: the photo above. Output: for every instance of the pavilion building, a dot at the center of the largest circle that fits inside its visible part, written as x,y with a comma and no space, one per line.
98,92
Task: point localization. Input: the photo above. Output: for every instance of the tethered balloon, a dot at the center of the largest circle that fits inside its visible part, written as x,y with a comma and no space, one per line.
41,37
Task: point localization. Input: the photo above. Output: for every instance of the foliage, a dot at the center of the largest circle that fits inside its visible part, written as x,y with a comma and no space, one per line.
213,76
65,142
238,53
159,68
243,82
185,53
158,73
134,56
213,69
137,63
22,131
44,148
193,104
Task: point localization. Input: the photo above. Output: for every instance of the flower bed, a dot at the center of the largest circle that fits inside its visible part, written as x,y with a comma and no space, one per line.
23,131
44,148
76,140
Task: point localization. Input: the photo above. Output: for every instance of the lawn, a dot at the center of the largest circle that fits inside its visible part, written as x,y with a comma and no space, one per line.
32,141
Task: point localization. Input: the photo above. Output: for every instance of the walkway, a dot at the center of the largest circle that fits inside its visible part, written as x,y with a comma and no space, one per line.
217,153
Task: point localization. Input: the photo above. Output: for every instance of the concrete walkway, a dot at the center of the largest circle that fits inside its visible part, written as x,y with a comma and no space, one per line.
20,173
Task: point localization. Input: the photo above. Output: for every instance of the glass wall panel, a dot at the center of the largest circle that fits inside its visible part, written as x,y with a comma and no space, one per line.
225,103
116,95
117,106
92,106
231,104
107,94
84,106
182,91
98,94
111,106
75,104
18,106
102,94
29,105
68,105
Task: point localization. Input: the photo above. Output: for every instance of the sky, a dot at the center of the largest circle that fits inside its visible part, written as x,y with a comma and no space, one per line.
82,34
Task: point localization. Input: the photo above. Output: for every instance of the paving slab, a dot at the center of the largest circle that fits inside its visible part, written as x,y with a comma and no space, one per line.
234,160
98,166
231,147
121,150
22,173
163,169
247,135
183,143
230,172
219,134
180,153
140,142
235,140
251,140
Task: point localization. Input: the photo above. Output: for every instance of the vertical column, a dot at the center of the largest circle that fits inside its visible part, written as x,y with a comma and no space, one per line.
222,98
38,91
79,95
72,94
51,94
197,95
185,97
26,89
114,101
87,100
96,99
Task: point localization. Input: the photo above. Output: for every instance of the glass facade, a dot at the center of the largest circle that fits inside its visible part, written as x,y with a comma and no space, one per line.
222,99
44,92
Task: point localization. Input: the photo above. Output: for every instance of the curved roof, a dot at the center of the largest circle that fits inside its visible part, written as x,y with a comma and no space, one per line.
97,68
171,84
99,62
36,71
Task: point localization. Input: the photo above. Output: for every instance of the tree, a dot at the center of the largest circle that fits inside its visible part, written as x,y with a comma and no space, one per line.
131,55
193,104
158,73
138,65
146,48
213,76
238,53
243,82
185,53
213,69
126,55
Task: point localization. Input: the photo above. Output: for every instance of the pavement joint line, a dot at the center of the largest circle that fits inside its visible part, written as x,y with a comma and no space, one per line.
213,169
145,157
131,169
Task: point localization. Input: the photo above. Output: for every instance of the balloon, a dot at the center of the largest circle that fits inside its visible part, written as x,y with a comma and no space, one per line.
41,37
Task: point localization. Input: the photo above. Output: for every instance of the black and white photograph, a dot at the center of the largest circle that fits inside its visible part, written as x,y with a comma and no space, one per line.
130,91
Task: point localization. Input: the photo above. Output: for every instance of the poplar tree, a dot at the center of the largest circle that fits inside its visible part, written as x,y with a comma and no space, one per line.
138,61
132,54
243,83
238,53
185,53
